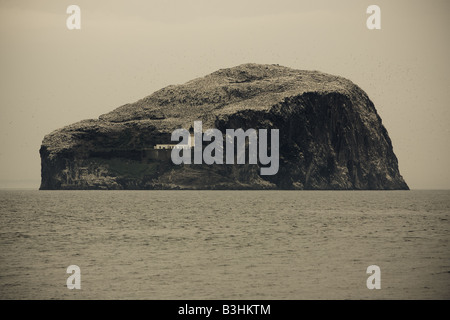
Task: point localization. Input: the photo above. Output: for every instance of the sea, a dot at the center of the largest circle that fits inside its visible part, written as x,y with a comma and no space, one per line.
284,245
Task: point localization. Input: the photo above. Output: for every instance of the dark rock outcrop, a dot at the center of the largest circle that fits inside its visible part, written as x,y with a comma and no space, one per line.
331,136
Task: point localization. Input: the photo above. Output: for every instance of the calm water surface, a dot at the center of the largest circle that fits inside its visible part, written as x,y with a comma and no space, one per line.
224,244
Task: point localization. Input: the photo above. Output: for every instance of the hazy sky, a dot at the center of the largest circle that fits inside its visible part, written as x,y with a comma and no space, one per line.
51,76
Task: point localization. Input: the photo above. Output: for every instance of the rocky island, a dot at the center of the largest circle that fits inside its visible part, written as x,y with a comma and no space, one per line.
330,136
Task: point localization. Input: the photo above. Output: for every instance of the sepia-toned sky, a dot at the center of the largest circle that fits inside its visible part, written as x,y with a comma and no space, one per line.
51,76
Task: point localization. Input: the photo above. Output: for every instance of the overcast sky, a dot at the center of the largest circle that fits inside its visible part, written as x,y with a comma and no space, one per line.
51,76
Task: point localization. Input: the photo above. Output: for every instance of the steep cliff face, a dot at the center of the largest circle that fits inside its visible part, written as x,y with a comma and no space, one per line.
331,136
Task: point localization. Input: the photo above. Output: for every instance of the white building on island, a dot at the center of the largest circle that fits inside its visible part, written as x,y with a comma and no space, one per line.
189,145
